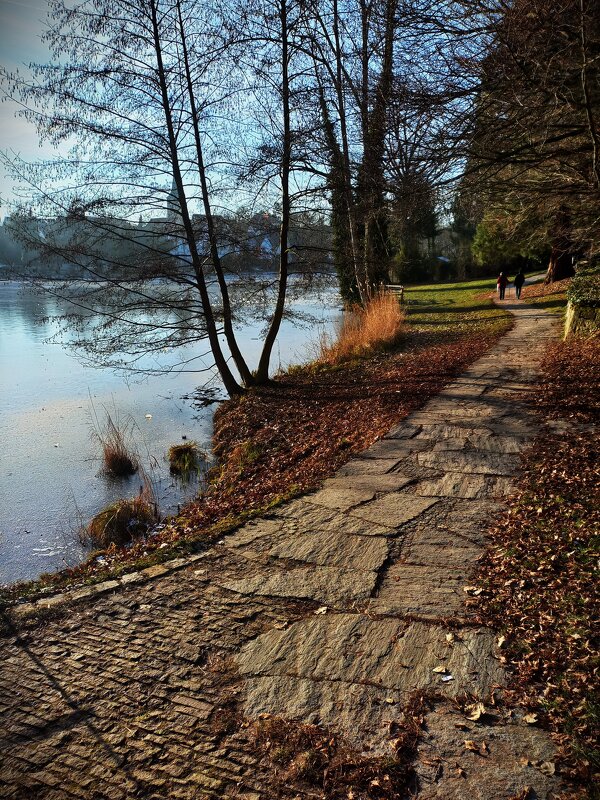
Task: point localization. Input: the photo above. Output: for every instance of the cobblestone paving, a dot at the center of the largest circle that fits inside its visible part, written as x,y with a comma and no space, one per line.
333,610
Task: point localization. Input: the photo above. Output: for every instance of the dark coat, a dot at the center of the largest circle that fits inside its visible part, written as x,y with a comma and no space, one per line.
519,279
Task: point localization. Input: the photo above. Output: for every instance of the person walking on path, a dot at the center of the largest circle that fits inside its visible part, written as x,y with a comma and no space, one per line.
519,281
502,284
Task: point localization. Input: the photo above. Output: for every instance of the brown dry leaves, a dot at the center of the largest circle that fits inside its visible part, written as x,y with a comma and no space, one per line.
540,577
311,757
546,289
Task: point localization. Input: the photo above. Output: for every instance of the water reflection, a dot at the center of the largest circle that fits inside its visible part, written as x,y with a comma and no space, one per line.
49,465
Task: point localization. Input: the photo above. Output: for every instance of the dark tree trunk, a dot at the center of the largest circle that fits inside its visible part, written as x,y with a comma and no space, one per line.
231,385
561,264
236,354
561,257
262,373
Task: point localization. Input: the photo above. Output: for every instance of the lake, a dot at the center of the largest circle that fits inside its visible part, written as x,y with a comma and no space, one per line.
51,403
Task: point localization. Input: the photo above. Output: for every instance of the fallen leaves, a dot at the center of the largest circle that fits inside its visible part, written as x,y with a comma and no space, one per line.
475,711
481,749
539,578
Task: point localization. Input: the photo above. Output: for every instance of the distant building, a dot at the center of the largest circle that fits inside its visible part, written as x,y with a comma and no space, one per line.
173,205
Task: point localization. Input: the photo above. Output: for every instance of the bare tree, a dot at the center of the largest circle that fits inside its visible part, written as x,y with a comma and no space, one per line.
147,90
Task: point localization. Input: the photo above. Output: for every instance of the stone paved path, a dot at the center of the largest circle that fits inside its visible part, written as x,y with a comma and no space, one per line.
333,610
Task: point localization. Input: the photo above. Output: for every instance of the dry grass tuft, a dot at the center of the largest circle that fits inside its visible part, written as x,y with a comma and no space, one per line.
302,754
117,458
184,458
123,521
365,330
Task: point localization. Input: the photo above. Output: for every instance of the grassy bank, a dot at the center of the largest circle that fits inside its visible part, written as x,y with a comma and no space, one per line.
454,310
279,441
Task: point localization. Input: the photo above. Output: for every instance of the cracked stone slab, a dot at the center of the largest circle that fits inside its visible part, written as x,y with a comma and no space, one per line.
393,509
339,650
469,462
252,531
361,466
322,584
511,764
335,549
457,484
431,590
308,518
341,498
389,482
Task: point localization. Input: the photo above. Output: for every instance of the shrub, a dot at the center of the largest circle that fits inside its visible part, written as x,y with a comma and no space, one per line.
584,289
365,330
184,458
123,521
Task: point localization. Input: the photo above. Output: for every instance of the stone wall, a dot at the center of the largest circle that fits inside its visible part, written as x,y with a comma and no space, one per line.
582,320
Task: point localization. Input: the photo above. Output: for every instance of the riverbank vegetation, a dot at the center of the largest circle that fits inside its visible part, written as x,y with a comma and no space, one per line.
184,458
123,521
365,330
118,458
540,578
278,441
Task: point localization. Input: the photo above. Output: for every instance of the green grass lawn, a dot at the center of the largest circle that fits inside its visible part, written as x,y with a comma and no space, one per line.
454,309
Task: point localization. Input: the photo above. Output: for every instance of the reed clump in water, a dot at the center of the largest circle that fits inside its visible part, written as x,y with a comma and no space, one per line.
184,458
118,459
123,521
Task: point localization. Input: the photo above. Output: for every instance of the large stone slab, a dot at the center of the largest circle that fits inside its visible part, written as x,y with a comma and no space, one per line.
455,554
335,652
437,430
361,712
341,498
465,389
405,430
456,484
393,509
334,549
482,443
309,518
252,532
374,466
322,584
390,482
394,448
469,462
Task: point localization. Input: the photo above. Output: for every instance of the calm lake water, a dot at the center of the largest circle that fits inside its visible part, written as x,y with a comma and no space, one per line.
49,461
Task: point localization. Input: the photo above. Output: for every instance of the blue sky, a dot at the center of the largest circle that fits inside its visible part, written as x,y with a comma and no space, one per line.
22,23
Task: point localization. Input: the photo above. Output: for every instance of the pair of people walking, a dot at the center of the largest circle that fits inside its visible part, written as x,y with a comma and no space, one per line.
503,282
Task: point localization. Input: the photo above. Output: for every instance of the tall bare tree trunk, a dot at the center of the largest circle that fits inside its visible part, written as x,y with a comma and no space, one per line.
245,374
231,385
345,150
262,373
